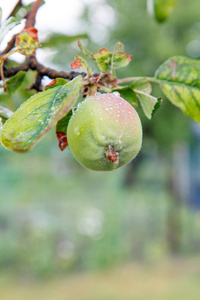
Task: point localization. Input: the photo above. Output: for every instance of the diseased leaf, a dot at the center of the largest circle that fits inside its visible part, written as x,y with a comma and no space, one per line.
179,80
38,115
27,41
6,26
14,82
85,50
55,82
119,47
106,60
128,94
62,140
79,63
121,60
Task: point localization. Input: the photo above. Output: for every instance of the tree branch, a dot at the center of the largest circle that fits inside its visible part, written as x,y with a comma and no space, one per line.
9,72
10,45
51,73
31,15
34,65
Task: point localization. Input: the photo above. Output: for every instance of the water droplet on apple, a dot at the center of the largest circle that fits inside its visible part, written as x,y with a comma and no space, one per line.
116,94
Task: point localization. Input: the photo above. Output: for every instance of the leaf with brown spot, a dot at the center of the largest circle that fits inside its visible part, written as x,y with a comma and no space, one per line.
27,41
55,82
179,79
85,50
79,63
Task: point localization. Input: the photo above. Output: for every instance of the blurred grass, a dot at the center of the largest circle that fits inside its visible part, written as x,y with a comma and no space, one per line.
170,280
57,217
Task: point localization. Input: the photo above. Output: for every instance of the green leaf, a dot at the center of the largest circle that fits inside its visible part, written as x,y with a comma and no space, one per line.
156,107
6,26
85,50
128,94
55,82
148,103
142,85
143,88
14,82
21,11
5,113
1,125
38,115
179,80
62,124
163,9
119,47
0,14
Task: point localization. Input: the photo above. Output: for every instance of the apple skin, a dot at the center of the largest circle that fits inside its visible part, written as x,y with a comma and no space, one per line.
104,132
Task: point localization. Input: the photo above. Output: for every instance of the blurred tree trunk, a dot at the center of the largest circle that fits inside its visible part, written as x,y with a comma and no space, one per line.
174,222
131,171
179,187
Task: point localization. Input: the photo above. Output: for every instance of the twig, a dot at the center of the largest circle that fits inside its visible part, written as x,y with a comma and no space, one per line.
10,45
31,15
131,79
18,4
37,84
3,78
51,73
34,65
9,72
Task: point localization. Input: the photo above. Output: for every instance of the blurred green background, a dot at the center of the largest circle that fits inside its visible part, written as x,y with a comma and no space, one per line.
133,234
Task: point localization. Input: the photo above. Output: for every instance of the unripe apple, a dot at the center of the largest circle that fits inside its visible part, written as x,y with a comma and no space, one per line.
104,132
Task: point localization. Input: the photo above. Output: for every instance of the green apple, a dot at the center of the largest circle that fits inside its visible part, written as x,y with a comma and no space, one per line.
104,132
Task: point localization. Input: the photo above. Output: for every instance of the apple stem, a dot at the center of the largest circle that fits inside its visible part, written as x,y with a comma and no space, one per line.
111,154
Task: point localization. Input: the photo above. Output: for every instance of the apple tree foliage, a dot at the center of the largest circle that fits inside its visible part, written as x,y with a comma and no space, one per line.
178,78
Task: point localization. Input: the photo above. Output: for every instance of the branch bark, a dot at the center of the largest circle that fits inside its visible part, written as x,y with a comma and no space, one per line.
34,65
31,15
